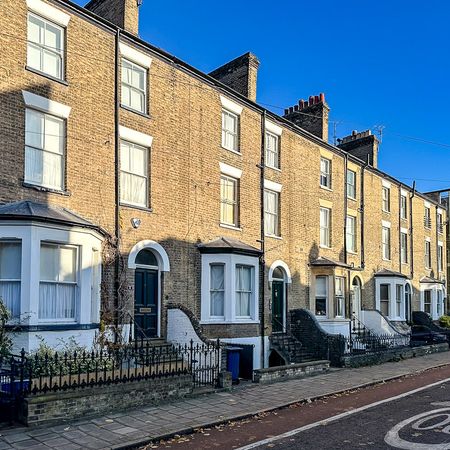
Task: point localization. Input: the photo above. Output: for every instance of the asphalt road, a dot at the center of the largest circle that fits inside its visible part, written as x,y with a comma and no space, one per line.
363,426
418,421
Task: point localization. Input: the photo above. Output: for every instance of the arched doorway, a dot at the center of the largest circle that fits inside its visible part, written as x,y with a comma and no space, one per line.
408,312
146,295
356,298
279,294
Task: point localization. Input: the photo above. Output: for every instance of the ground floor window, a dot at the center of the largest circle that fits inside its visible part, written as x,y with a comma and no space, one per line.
339,296
398,299
217,289
427,301
385,297
321,295
439,303
244,290
10,275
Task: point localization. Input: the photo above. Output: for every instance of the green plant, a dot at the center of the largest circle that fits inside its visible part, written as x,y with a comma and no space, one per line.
5,339
444,321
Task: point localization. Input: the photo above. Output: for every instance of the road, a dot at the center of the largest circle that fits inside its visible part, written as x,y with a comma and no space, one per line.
409,413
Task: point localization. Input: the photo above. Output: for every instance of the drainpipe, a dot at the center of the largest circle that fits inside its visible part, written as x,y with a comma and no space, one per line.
361,207
262,262
116,181
411,228
400,228
345,206
437,243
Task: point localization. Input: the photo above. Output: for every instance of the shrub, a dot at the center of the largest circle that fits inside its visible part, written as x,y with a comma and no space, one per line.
444,321
5,339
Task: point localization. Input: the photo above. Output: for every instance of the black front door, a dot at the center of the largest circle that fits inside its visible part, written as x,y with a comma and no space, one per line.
146,303
277,306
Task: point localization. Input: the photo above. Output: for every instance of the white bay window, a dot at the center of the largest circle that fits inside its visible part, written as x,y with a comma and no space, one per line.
217,290
58,282
244,290
44,150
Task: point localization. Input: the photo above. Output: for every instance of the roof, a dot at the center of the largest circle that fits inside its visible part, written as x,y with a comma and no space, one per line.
431,280
228,245
389,273
28,210
326,262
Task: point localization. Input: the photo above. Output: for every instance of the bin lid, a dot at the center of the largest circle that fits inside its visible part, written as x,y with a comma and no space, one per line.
234,349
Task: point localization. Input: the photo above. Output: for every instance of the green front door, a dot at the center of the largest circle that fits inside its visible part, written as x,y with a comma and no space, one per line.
277,306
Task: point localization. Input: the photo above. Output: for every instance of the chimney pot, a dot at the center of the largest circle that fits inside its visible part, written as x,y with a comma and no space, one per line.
316,99
295,107
286,111
354,133
322,97
311,100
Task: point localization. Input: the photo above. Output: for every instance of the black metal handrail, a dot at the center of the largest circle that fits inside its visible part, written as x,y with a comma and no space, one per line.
287,332
141,330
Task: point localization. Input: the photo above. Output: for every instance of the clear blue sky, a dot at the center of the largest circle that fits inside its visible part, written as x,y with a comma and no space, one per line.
382,62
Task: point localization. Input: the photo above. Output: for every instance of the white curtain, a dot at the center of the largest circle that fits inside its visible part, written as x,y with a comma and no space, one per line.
10,295
217,290
57,301
243,290
10,275
271,212
134,173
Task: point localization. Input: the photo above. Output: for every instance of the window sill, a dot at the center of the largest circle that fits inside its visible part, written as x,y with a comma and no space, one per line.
327,247
45,75
230,227
273,168
405,263
385,212
237,152
387,260
353,199
351,252
273,236
45,189
135,111
326,188
140,208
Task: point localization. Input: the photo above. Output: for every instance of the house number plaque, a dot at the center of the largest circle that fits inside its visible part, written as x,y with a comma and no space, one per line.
145,310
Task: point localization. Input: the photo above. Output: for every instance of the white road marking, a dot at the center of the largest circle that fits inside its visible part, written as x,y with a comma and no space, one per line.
338,416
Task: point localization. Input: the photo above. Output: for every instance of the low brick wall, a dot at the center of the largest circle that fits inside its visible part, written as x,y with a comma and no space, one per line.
58,407
289,372
392,355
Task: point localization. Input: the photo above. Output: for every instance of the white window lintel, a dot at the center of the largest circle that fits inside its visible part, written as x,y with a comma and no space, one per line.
231,106
404,230
272,186
272,128
230,170
427,239
427,204
127,134
44,104
386,184
386,224
49,12
440,244
404,193
135,56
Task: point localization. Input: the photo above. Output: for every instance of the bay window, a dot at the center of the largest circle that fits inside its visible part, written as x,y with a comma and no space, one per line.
44,149
427,300
10,275
398,299
58,282
385,298
439,303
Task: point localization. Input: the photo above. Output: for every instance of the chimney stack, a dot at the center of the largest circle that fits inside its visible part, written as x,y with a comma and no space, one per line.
123,13
311,115
240,74
363,145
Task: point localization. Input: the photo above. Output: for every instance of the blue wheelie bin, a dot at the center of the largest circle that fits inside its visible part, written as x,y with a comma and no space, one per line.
233,357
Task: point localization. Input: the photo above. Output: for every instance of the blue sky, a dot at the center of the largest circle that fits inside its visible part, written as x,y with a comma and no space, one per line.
378,62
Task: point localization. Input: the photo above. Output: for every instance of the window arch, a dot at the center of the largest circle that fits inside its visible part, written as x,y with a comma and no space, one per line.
157,250
280,267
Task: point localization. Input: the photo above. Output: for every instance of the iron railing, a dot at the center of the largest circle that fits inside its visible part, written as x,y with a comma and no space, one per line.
369,343
22,375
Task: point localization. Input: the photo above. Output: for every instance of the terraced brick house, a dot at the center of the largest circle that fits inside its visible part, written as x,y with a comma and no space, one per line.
143,197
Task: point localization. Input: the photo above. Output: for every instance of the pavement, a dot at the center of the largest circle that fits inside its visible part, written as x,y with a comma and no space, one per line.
135,428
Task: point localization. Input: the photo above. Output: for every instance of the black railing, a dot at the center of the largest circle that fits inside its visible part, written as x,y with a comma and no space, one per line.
22,375
369,343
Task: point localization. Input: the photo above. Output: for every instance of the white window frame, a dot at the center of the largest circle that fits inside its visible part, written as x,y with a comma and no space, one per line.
430,303
351,234
243,291
403,207
339,297
427,217
15,308
440,222
230,262
386,242
404,247
386,300
275,152
44,150
144,92
327,288
233,202
399,300
427,253
325,227
235,133
392,282
43,48
212,290
351,187
145,176
325,173
440,256
386,199
275,214
75,283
